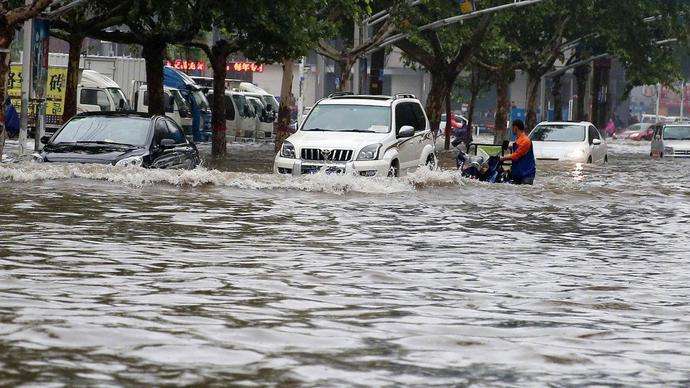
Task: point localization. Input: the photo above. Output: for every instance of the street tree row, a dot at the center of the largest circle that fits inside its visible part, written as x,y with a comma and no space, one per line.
490,47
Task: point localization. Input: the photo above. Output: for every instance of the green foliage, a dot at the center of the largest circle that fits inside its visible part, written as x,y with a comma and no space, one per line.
268,31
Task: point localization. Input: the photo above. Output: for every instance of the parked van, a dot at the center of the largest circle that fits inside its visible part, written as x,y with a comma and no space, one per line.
248,87
98,93
175,106
265,116
240,116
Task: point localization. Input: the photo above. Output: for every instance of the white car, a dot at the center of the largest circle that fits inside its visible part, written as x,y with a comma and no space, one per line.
363,135
671,140
564,141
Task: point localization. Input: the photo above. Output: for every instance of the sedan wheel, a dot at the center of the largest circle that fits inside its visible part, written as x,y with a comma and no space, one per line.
393,171
431,162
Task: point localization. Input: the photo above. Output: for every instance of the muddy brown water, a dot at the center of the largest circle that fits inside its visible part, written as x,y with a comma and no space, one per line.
114,276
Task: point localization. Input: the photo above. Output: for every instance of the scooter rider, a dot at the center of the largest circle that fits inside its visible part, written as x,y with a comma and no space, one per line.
524,167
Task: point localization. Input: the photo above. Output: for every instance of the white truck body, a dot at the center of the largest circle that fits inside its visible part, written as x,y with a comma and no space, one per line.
175,106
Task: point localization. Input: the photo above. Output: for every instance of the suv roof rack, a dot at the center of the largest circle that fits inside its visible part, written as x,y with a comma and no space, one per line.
404,95
340,94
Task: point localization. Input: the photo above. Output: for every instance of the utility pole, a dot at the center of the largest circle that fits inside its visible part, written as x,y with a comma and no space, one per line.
26,81
356,77
682,98
658,100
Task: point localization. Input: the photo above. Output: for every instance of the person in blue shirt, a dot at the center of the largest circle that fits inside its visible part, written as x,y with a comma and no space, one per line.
524,167
11,119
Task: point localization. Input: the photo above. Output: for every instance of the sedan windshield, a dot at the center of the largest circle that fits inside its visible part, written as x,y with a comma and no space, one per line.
352,118
559,133
102,129
677,133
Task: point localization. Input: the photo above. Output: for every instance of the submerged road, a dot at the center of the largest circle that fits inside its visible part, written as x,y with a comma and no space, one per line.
111,276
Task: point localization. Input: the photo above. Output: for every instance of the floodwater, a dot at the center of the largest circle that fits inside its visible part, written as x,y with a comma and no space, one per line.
116,276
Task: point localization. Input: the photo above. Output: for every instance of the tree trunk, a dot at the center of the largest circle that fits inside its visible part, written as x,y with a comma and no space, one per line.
286,103
154,54
434,101
345,75
581,75
475,86
502,103
72,82
218,59
6,36
557,98
449,128
533,83
600,93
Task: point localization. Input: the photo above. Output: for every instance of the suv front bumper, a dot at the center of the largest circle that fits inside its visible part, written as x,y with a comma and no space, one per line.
298,167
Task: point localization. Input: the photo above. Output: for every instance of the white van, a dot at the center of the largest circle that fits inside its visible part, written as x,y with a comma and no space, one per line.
265,116
671,140
240,115
98,93
175,106
248,87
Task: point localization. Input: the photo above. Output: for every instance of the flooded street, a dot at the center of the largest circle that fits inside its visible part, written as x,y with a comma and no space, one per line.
112,276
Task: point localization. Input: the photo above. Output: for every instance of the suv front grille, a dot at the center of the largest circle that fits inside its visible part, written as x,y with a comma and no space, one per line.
335,155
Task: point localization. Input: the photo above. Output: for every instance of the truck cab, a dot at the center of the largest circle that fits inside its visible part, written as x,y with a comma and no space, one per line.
175,106
98,93
193,95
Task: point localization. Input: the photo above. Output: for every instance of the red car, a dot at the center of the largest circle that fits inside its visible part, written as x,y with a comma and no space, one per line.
639,132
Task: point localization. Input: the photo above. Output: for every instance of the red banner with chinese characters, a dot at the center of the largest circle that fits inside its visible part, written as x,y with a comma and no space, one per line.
184,64
249,67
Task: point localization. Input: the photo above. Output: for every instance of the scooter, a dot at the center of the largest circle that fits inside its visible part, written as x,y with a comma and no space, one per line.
482,166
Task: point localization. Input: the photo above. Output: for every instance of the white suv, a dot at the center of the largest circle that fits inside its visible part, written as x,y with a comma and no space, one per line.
364,135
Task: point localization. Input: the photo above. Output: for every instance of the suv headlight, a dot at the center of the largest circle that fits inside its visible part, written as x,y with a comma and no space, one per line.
36,157
668,150
370,152
135,161
287,150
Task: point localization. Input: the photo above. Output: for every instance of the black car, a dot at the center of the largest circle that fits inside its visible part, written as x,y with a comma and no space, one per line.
121,139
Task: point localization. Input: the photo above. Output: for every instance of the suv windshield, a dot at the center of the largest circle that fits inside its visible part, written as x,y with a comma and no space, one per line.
559,133
349,118
102,129
677,133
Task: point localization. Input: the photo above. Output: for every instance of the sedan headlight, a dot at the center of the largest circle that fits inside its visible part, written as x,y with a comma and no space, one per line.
287,150
134,161
370,152
668,150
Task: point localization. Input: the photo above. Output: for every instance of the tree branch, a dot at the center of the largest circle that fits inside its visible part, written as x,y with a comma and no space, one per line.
21,14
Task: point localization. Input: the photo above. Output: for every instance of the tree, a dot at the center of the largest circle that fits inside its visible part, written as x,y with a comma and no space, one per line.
272,32
153,24
12,15
338,42
73,28
477,82
444,53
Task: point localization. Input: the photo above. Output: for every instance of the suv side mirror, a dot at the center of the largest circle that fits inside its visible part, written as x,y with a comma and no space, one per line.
406,131
167,143
596,141
45,139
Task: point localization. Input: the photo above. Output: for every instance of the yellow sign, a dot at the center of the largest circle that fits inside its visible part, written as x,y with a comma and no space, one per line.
55,92
466,6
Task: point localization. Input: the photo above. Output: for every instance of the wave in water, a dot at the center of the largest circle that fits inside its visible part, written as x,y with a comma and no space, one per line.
137,177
